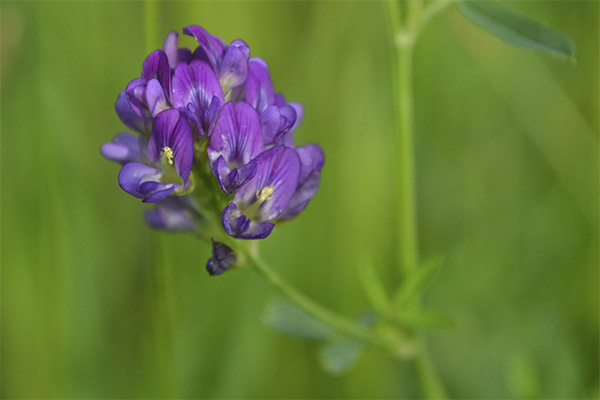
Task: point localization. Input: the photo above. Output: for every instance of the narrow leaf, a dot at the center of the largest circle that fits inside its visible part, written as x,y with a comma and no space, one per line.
336,358
372,285
416,284
288,318
517,29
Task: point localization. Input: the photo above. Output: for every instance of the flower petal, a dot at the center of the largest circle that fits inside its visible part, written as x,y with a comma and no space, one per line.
277,172
172,130
237,225
156,66
237,135
132,173
170,48
259,89
128,115
155,98
233,70
312,160
124,148
212,46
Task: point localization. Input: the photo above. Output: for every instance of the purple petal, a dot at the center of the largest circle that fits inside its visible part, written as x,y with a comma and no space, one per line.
156,66
124,148
234,66
155,98
237,135
304,193
133,173
169,220
259,89
172,130
276,122
136,96
299,115
184,55
213,46
277,173
237,225
170,48
128,115
311,160
222,259
161,192
195,83
270,121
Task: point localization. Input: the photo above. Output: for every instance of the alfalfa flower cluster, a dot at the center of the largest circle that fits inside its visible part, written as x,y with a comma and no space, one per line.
213,147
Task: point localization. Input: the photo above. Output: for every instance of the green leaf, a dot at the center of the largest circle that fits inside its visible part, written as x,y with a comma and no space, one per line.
288,318
517,29
372,285
416,283
337,357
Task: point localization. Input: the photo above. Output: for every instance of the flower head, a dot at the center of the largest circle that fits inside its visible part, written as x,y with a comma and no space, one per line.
213,144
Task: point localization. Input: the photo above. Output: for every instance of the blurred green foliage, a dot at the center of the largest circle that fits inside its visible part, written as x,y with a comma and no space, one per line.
95,305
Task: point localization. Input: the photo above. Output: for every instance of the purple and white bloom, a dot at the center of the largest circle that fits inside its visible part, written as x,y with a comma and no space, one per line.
230,63
170,153
265,197
214,143
150,94
197,91
234,144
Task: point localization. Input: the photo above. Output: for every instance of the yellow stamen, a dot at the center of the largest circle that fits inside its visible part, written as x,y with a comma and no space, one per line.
168,153
265,193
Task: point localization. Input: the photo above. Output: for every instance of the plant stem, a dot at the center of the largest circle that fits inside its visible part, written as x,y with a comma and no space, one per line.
406,221
341,324
405,35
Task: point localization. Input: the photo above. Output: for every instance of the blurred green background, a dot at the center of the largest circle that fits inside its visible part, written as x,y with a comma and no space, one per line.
96,305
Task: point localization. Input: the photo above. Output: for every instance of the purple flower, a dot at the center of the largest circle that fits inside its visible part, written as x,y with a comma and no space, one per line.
264,197
197,91
234,144
150,94
212,131
170,152
229,63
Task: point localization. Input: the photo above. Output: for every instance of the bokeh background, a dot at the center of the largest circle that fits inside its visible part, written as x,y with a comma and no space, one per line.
96,305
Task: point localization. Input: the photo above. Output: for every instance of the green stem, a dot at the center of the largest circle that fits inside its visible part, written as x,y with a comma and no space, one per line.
432,386
405,189
405,36
392,343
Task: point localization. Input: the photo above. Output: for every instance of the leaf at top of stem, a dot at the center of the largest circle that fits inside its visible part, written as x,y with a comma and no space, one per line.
288,318
517,29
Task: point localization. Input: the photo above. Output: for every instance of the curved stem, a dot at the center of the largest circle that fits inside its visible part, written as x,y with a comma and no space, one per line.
341,324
